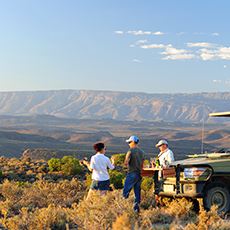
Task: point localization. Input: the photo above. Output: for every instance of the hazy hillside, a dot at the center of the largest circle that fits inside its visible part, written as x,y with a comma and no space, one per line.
115,105
46,136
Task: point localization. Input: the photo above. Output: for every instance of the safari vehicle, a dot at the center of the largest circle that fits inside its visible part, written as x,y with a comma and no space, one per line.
204,176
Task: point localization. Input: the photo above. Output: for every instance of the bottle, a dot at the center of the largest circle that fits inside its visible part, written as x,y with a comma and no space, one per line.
157,161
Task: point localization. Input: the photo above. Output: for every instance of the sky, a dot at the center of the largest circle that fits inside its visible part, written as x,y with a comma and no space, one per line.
151,46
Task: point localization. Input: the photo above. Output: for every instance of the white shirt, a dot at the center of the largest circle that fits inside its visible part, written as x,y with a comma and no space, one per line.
167,154
99,163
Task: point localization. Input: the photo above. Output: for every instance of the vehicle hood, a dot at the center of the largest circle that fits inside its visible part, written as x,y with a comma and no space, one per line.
220,164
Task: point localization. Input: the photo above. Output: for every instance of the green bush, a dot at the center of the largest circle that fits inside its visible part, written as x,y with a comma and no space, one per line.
0,172
116,178
147,183
119,158
146,162
54,164
70,165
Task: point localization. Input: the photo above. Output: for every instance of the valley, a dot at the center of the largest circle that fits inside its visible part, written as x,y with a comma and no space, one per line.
47,136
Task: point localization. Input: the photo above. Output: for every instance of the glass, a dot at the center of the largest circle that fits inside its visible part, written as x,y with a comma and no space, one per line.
152,162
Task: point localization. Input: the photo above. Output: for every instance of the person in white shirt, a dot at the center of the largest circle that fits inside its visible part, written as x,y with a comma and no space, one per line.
98,165
165,152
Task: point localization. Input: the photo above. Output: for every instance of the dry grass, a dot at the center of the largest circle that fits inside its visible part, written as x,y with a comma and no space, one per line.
56,204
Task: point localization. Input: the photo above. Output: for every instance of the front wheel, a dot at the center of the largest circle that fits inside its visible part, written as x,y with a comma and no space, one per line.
217,194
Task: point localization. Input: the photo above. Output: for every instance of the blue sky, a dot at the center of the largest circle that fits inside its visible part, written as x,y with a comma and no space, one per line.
147,46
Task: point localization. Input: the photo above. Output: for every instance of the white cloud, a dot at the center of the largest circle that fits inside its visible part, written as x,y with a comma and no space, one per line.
136,60
201,44
141,41
215,34
138,42
179,56
227,82
216,80
219,53
118,32
172,50
158,33
207,56
140,32
174,54
225,66
206,50
181,33
155,46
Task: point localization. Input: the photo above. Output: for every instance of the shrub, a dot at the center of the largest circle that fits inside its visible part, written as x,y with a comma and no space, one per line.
0,172
146,183
46,218
181,208
119,158
54,164
116,178
70,165
209,220
146,162
148,202
89,180
102,211
153,216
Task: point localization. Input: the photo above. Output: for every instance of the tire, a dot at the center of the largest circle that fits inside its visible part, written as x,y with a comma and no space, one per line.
217,194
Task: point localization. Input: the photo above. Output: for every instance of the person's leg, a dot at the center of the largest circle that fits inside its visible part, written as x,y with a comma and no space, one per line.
137,193
127,186
88,196
103,192
130,181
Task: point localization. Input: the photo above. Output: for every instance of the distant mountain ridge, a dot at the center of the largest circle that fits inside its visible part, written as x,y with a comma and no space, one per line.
114,104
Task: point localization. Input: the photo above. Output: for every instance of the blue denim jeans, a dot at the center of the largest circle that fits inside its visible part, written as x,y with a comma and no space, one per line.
133,181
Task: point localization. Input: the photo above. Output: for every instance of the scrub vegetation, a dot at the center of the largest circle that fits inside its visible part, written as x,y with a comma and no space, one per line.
39,195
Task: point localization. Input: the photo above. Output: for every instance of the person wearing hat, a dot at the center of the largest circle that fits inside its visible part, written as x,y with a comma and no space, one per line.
165,152
134,159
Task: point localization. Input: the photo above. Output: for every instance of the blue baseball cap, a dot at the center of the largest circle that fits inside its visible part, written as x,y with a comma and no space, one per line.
132,138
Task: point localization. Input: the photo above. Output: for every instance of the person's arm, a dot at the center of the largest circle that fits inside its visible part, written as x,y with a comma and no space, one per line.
113,162
127,157
126,162
170,156
85,162
142,164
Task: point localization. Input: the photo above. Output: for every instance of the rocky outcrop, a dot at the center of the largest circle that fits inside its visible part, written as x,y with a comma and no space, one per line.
115,105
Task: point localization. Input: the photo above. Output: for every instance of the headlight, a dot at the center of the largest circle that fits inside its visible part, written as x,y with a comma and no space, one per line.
193,172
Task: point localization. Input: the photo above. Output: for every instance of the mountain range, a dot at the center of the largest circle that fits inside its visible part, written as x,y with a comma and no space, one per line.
115,105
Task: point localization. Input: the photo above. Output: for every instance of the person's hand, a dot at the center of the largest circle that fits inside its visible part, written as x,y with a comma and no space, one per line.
85,161
113,159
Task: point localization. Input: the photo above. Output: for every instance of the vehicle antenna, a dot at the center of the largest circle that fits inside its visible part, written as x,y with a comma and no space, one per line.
202,142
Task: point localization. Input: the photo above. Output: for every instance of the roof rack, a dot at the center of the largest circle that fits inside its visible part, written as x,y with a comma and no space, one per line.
210,155
221,114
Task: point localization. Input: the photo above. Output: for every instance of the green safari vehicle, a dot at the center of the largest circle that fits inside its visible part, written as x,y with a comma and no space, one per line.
203,177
